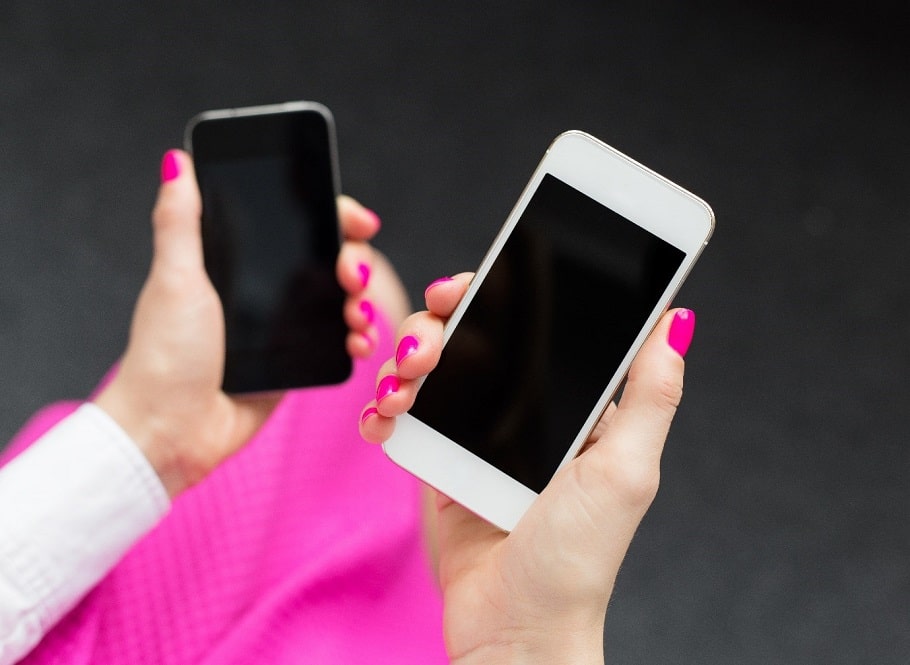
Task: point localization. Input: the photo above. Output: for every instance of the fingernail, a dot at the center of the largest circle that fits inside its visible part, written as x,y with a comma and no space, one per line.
437,282
406,347
681,330
170,166
372,411
368,311
388,386
364,271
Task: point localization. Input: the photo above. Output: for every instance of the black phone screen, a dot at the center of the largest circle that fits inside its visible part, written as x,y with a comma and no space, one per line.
271,241
547,329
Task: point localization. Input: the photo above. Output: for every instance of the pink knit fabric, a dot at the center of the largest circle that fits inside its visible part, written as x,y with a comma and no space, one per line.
303,548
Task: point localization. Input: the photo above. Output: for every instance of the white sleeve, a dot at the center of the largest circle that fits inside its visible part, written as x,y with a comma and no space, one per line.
70,507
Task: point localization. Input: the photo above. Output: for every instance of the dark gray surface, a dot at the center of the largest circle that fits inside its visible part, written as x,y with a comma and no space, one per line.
781,532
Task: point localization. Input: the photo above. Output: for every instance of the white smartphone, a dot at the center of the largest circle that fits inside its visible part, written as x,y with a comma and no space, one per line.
588,260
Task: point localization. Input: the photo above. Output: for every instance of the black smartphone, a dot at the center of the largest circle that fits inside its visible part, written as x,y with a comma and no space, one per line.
269,181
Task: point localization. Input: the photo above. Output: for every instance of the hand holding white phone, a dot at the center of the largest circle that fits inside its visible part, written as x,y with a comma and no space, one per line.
540,593
588,260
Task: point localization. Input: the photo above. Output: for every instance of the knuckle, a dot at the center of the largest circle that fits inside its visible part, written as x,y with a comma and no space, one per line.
662,389
166,212
668,391
632,482
638,485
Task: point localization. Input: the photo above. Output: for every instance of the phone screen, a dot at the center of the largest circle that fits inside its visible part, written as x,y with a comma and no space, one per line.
547,329
271,241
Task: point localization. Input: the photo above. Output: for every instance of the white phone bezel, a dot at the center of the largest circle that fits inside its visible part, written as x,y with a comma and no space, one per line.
631,190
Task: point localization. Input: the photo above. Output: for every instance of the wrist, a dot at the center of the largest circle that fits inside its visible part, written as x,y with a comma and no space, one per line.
556,643
149,437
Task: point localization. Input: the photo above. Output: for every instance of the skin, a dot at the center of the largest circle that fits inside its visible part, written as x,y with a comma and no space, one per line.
166,394
510,598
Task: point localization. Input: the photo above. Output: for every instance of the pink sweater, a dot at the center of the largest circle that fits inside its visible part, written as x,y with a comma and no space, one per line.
305,547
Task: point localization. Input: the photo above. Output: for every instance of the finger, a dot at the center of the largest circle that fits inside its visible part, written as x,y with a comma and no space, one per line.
600,428
176,216
359,313
357,222
394,394
418,345
444,294
626,458
464,539
354,266
374,427
386,291
655,383
362,343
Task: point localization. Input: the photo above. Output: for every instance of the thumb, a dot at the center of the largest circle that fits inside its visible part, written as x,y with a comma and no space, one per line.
626,456
176,216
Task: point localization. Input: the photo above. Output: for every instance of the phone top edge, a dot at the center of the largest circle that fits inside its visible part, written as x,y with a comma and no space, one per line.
590,138
545,165
262,109
272,109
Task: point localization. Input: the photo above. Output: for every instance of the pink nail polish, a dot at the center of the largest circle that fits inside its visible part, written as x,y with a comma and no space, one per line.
372,411
170,166
368,311
364,271
437,282
369,340
388,386
406,347
681,330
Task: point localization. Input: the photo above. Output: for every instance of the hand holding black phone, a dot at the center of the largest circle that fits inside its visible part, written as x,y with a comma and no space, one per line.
269,181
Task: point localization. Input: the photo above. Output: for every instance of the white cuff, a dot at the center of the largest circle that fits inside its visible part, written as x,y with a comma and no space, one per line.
71,506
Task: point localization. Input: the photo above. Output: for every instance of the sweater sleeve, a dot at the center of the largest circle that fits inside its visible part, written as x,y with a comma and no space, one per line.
70,507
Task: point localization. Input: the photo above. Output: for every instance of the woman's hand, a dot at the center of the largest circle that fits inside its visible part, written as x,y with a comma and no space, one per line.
540,593
167,392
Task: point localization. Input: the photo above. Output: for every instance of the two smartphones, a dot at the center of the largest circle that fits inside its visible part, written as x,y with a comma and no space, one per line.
588,260
269,181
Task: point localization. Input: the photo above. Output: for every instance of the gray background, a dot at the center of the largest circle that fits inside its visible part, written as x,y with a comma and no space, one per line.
781,532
